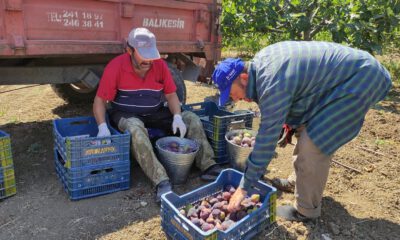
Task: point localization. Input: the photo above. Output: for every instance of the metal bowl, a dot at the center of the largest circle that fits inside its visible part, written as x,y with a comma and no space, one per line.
237,154
176,164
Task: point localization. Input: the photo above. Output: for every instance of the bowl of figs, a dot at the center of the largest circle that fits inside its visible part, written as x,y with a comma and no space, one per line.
240,143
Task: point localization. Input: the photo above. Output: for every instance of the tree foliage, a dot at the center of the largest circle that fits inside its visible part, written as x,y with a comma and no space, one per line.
365,24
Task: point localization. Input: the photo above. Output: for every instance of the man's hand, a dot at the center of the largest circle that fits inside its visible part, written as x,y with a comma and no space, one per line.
236,199
178,123
103,130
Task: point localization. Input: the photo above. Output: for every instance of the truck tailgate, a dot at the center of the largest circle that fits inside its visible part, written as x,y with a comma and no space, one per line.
48,27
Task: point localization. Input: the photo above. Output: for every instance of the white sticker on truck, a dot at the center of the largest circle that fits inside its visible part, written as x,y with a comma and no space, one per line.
164,23
72,18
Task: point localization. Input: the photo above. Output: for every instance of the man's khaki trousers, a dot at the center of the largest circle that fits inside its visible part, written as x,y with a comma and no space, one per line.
311,169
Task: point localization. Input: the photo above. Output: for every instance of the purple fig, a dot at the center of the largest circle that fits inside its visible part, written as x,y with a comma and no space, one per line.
225,208
230,188
207,227
205,203
205,213
240,214
174,144
201,207
218,205
219,197
226,195
213,201
227,224
195,221
192,212
215,213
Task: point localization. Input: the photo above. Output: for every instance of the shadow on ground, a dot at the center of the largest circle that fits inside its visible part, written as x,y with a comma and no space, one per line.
42,210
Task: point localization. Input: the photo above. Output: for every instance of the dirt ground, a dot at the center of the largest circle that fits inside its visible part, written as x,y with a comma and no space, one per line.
361,204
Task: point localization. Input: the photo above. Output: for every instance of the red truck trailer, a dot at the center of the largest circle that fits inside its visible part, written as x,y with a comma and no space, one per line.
68,43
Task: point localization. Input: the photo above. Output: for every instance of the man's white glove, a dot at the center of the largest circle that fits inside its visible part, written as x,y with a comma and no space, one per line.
103,130
178,123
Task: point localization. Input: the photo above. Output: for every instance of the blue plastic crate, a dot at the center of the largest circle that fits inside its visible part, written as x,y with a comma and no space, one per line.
7,182
92,191
217,122
177,226
8,192
7,171
5,150
89,176
76,140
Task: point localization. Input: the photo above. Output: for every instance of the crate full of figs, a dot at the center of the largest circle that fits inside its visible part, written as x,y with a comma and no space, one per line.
203,213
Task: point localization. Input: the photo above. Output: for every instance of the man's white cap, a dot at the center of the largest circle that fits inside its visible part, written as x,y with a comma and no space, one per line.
144,42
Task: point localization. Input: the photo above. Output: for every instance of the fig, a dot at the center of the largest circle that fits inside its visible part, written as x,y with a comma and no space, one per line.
174,145
215,213
205,203
205,213
207,227
237,140
201,207
226,195
228,188
232,216
210,219
213,201
225,208
219,197
192,212
196,221
219,226
227,224
240,214
255,198
187,149
247,135
222,216
218,205
183,212
246,203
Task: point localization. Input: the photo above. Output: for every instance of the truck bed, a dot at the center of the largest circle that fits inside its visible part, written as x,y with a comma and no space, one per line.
46,28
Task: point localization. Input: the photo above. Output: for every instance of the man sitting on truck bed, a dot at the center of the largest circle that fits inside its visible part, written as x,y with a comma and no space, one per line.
137,83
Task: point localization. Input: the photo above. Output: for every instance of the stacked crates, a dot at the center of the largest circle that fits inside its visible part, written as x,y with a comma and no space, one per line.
88,165
217,122
178,227
7,177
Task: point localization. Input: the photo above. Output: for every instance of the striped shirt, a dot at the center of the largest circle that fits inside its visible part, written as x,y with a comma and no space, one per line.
325,86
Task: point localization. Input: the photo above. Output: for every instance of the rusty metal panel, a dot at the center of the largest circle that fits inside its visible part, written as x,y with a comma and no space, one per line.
13,5
71,20
1,21
170,24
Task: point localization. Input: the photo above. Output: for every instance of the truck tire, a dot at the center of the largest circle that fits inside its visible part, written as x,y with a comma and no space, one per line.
179,82
79,93
74,93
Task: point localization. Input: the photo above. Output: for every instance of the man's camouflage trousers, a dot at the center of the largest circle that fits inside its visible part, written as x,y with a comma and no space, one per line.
143,152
